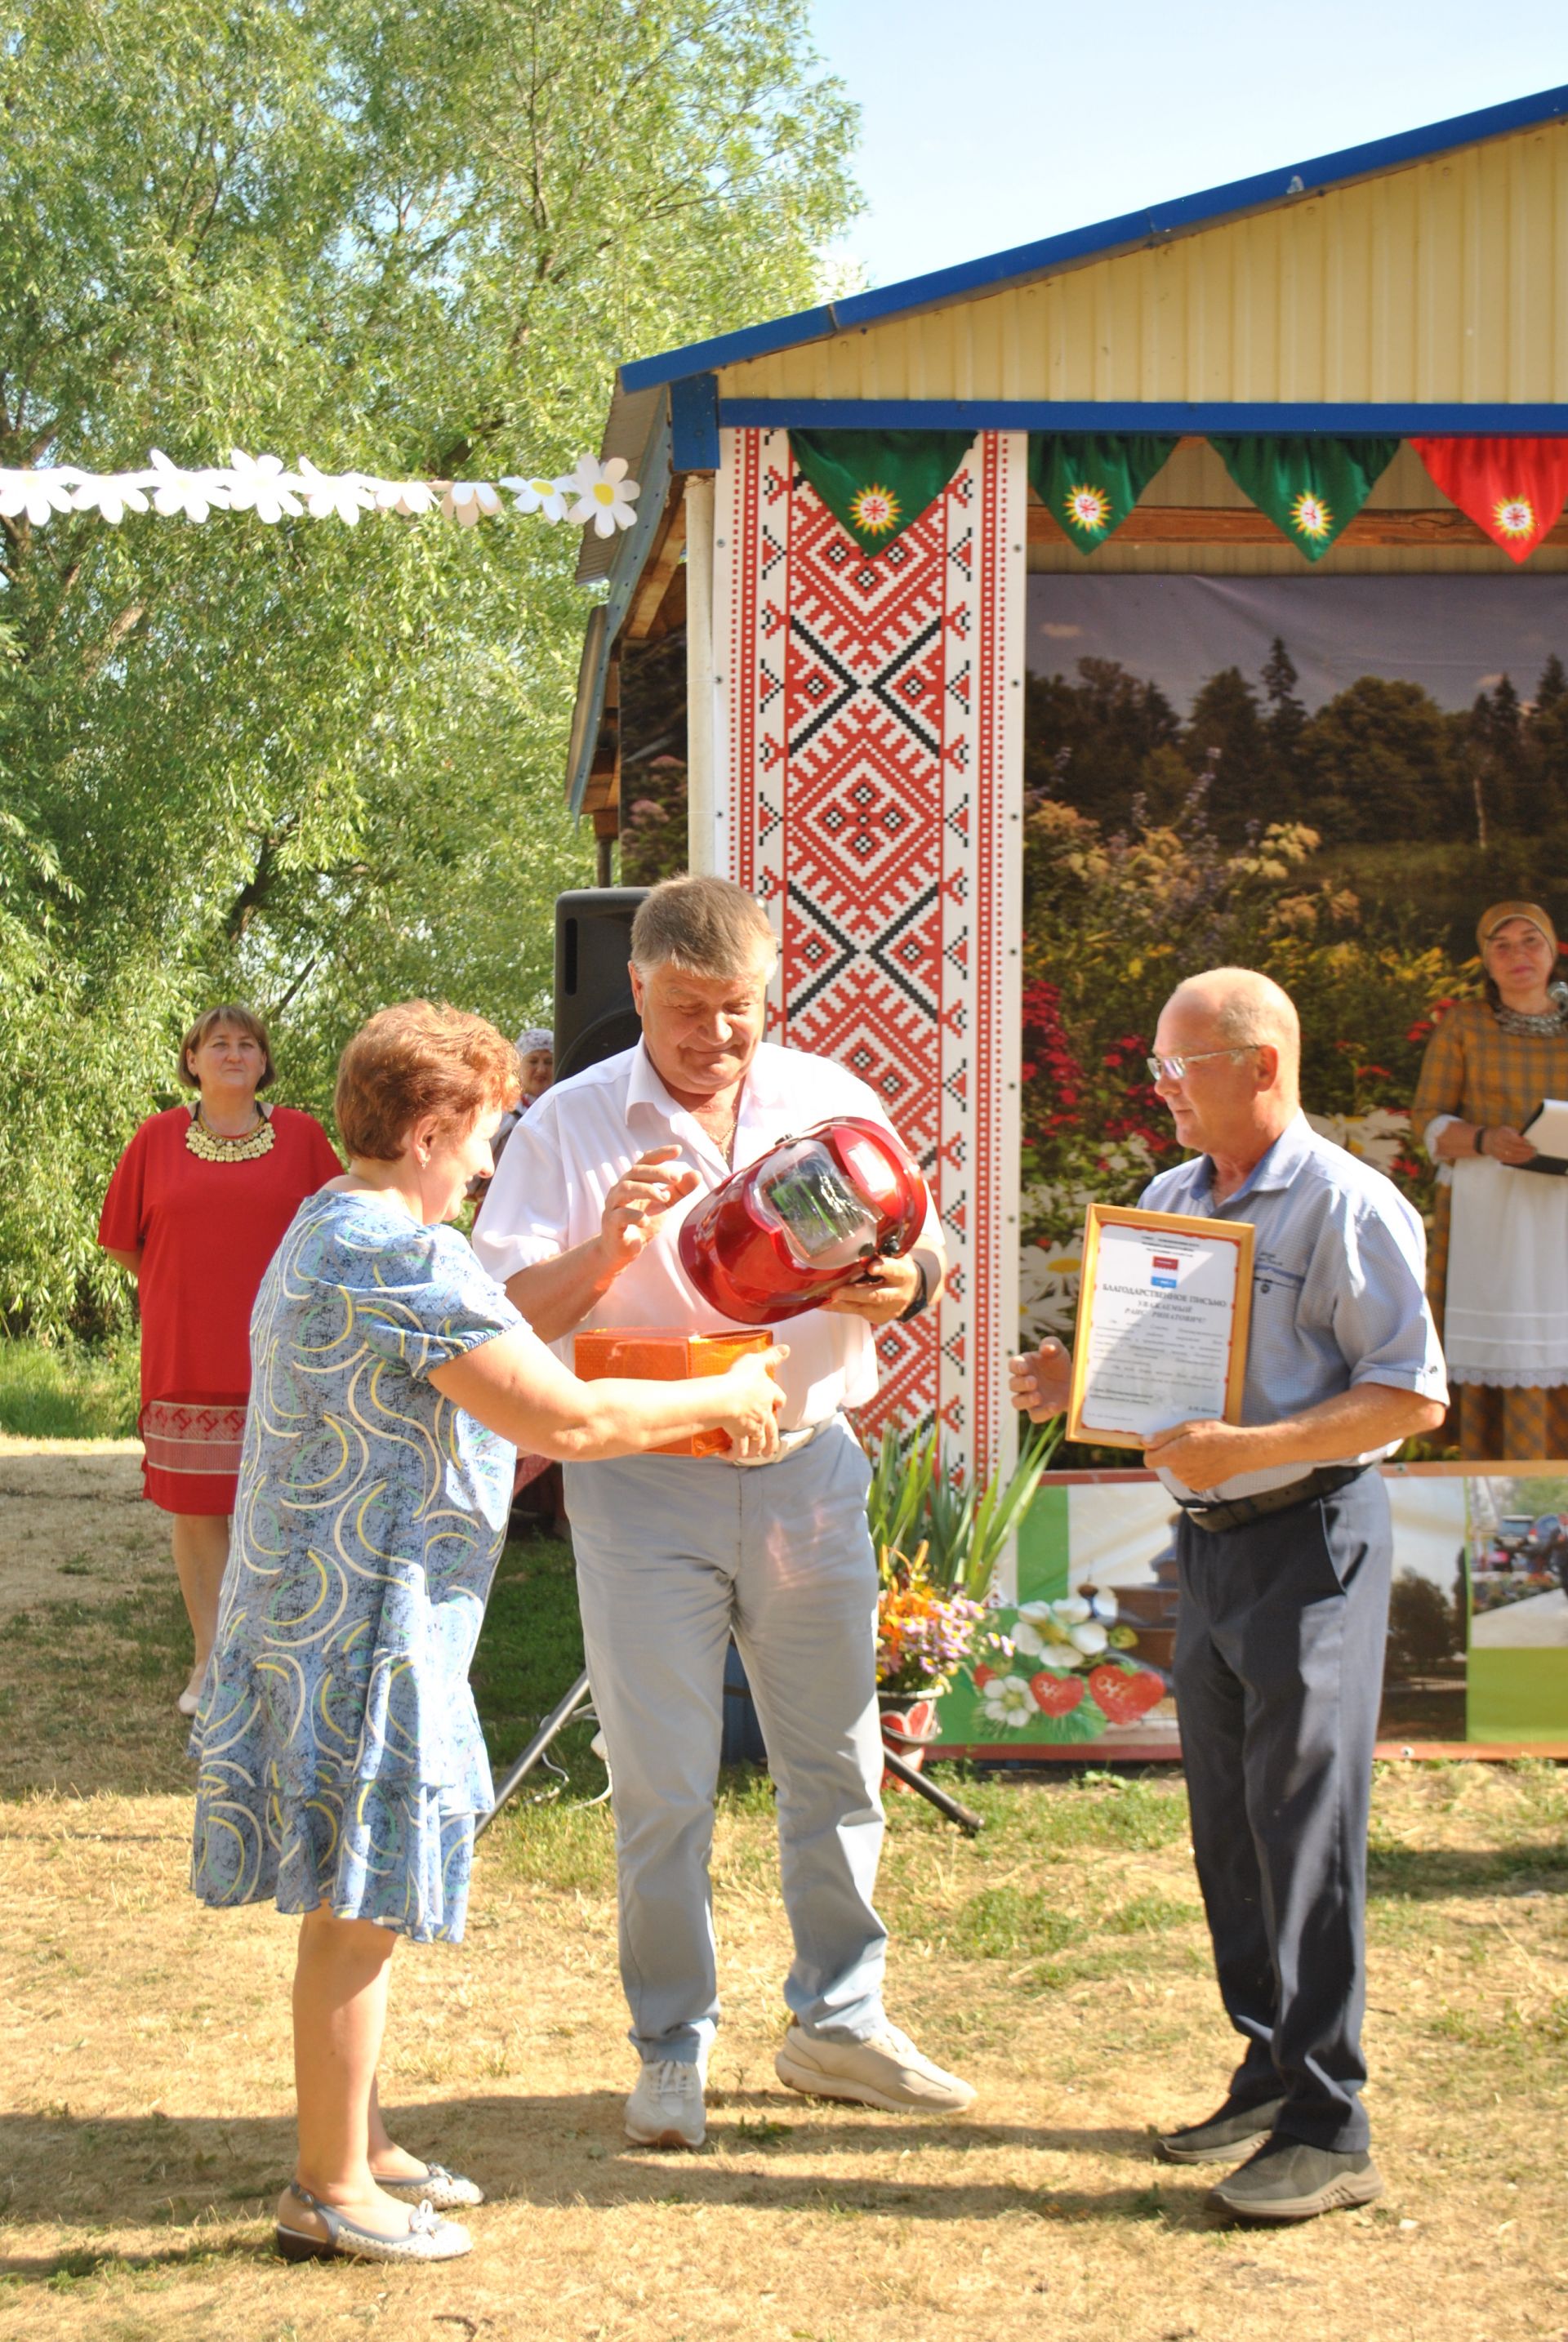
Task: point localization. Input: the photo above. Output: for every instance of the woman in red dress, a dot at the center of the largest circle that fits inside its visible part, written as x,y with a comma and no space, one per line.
195,1209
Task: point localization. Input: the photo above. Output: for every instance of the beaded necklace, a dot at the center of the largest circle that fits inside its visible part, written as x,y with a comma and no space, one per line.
210,1146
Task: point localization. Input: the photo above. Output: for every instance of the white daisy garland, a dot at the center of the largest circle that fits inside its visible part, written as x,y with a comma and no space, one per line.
593,492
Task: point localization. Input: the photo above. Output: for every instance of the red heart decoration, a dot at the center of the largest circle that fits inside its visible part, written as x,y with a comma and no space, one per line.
1056,1695
1125,1694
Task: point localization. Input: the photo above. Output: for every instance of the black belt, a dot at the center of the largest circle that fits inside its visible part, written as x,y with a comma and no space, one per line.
1243,1509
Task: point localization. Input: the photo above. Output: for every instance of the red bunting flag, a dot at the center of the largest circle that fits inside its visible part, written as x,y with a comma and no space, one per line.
1512,488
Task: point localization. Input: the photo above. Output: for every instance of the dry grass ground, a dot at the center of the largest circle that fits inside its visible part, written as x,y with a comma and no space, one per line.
1060,1960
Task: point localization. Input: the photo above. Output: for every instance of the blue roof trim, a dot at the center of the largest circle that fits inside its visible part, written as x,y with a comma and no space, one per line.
1195,421
997,269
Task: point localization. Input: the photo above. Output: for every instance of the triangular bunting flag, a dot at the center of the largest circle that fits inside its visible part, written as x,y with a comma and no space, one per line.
876,483
1310,487
1512,488
1088,486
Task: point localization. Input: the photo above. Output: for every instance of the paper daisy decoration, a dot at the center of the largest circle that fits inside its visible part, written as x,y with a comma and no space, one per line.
1515,517
344,493
604,492
37,496
465,500
545,497
259,484
1087,508
874,510
1310,515
192,495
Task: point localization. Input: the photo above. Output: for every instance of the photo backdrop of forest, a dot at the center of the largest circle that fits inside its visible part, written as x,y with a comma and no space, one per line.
1346,847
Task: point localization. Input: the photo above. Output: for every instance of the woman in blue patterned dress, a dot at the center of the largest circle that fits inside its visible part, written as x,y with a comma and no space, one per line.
341,1760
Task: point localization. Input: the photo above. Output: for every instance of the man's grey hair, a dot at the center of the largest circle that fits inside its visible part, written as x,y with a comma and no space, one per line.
706,925
1248,1008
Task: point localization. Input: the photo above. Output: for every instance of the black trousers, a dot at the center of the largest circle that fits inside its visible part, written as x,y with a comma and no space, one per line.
1279,1673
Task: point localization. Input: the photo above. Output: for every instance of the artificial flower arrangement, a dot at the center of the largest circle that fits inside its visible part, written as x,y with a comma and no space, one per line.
937,1539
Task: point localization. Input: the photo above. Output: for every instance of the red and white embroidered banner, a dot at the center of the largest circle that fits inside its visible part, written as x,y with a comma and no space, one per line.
868,790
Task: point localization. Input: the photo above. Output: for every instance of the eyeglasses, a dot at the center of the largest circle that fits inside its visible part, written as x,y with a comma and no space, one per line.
1175,1069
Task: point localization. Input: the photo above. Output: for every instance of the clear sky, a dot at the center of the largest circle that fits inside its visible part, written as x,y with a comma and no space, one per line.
993,123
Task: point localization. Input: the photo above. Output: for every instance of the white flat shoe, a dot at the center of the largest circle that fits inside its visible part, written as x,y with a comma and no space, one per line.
448,2191
188,1701
429,2238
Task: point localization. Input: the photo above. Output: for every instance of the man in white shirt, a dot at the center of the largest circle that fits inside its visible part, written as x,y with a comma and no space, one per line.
676,1554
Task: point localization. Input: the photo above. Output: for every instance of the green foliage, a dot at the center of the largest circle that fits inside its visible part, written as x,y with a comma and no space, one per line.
315,766
67,1392
1426,1628
922,1504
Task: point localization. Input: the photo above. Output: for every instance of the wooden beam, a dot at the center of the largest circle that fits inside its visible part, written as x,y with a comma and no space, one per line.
662,564
1244,525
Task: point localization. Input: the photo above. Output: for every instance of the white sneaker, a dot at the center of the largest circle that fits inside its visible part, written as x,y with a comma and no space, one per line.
666,2109
887,2071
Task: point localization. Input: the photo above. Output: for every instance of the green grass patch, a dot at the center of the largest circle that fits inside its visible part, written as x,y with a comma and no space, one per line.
67,1392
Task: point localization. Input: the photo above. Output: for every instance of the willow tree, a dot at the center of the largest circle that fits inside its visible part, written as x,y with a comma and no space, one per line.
317,765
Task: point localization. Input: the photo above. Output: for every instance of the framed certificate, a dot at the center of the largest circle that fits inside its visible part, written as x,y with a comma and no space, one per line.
1163,1308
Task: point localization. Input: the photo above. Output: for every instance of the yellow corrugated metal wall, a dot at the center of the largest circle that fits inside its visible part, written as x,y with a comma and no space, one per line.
1437,282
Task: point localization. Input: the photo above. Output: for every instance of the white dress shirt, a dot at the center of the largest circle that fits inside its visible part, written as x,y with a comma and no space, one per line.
564,1158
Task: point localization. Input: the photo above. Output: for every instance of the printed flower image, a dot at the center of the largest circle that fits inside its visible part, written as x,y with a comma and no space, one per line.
1088,508
1515,515
1008,1701
1310,515
874,510
1379,1137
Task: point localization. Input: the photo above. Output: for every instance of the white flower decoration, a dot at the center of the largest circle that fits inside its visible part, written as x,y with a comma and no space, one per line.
465,499
1038,1630
194,493
37,496
1090,1639
604,494
109,494
545,497
1009,1702
1106,1608
1071,1610
259,485
346,494
408,496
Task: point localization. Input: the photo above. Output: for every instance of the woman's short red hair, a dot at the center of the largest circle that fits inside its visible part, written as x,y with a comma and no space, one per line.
420,1057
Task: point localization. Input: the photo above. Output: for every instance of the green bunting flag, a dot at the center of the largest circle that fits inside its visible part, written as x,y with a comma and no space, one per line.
1088,486
1310,487
876,483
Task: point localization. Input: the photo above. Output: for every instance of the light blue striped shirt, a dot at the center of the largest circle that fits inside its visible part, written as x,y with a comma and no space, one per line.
1339,1273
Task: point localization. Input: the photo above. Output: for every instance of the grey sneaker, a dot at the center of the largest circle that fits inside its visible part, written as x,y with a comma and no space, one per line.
1287,2180
1217,2139
666,2109
887,2071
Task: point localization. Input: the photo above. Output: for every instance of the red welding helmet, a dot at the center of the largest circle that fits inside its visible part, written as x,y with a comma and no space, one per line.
782,1234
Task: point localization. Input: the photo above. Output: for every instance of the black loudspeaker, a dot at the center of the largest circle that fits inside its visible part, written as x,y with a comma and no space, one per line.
594,1018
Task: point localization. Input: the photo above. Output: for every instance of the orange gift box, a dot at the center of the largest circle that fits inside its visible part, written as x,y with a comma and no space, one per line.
647,1354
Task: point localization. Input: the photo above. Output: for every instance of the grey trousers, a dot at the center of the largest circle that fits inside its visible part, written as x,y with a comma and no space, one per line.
1279,1673
674,1556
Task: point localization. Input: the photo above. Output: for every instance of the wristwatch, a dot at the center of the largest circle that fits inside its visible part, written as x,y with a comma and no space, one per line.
923,1298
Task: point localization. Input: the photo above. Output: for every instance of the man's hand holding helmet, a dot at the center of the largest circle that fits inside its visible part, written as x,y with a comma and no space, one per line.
882,1293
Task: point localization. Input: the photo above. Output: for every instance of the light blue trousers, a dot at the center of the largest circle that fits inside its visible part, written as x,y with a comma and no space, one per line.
674,1556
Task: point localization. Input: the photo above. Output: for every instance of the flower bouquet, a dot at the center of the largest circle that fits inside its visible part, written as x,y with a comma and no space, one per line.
937,1540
